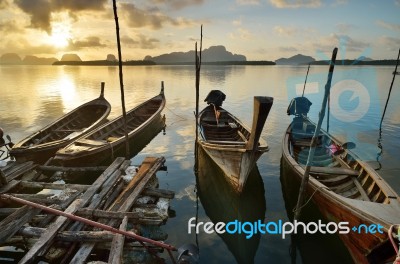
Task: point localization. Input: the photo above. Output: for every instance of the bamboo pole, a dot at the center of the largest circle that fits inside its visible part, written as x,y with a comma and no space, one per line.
306,175
121,80
198,67
305,82
390,90
87,221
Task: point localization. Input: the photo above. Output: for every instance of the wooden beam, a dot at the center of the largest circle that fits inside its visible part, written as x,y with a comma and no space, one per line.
117,245
44,242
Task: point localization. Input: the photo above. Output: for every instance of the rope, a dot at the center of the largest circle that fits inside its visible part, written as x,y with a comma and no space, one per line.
181,117
309,199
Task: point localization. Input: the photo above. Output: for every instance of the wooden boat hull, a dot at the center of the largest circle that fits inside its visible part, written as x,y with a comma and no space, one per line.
364,247
105,143
230,144
222,203
42,145
236,163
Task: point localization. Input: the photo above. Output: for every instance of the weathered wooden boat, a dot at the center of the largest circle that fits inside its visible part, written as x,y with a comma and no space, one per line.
106,142
222,203
231,145
43,144
343,187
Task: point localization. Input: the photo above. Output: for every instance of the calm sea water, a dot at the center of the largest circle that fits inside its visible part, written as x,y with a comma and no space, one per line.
33,96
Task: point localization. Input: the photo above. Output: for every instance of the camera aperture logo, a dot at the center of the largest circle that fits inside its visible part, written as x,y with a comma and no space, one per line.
249,229
354,99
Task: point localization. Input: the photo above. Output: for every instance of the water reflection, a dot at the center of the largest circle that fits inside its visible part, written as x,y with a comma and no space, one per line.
222,204
312,248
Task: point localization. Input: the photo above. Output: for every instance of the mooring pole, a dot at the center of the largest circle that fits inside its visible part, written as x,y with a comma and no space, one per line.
390,90
121,80
304,181
198,67
305,82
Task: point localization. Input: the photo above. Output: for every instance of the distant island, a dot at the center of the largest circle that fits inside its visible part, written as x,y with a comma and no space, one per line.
15,59
295,60
214,55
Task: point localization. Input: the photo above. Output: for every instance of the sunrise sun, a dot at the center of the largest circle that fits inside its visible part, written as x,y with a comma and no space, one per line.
60,34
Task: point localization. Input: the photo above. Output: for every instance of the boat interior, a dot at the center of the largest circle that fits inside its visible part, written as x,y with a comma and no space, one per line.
224,128
333,165
115,129
71,126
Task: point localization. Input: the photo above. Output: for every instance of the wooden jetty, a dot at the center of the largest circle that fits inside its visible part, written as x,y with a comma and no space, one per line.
115,205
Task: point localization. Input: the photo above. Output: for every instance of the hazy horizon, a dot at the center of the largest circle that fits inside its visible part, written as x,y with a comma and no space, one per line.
257,29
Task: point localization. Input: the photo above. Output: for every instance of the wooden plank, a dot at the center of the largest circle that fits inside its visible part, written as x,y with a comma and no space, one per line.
6,188
69,236
117,245
120,205
27,166
44,242
86,248
134,217
71,169
54,186
143,170
11,224
333,170
3,179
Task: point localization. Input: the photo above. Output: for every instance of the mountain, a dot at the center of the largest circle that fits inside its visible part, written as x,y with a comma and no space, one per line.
295,60
212,54
33,60
70,57
10,58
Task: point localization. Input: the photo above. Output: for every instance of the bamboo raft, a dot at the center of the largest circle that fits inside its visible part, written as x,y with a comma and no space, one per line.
111,201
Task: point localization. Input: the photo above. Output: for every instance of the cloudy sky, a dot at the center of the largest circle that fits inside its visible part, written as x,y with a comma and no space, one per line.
258,29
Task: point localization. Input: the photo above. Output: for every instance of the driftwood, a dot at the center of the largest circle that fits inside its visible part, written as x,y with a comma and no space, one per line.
50,233
71,169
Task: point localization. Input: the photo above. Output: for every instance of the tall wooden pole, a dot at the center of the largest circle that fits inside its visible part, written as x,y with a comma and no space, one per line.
121,81
304,181
198,67
390,90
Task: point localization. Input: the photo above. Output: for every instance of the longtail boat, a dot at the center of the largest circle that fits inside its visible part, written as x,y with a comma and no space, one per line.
343,187
233,146
103,144
221,203
43,144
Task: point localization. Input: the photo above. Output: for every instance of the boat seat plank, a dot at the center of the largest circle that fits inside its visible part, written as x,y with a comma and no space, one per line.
333,170
89,142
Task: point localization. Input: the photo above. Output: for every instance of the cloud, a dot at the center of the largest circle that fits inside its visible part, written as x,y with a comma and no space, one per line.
390,43
350,44
344,27
390,26
140,41
285,31
288,49
177,4
138,18
3,4
295,3
89,42
11,27
248,2
40,11
397,2
241,33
